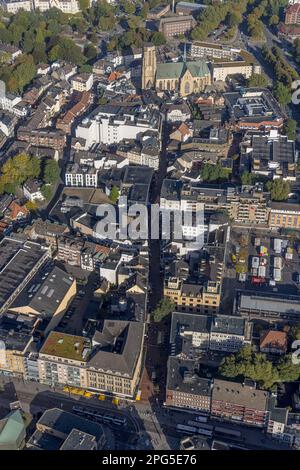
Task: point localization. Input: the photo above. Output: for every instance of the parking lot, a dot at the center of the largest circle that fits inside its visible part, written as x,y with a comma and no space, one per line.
259,245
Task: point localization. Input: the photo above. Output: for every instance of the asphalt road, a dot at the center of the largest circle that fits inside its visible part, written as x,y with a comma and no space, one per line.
148,426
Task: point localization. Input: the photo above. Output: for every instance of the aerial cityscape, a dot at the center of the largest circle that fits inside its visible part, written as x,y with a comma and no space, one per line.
150,226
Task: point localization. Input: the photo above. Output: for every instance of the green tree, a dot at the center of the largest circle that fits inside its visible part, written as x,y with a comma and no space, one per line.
248,364
114,194
134,22
234,18
258,80
90,51
47,191
290,129
158,39
246,178
211,172
51,171
282,93
274,20
84,4
39,54
279,189
129,7
288,372
164,308
17,170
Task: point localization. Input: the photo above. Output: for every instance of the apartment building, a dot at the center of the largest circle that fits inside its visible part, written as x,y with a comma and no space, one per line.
239,402
292,14
79,103
82,82
9,53
193,297
254,109
46,231
112,124
222,70
250,208
157,12
211,50
229,333
284,215
189,331
62,360
69,431
83,176
273,342
176,25
115,364
185,389
9,101
69,250
43,137
189,8
16,339
66,6
194,333
13,6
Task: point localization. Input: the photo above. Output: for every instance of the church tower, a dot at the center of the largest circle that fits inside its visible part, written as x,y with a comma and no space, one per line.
149,66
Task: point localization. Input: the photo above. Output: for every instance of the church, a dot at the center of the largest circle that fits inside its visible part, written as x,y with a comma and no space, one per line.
184,77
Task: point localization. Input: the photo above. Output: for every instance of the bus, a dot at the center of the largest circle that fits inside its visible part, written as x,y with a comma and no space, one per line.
204,432
209,427
119,421
186,429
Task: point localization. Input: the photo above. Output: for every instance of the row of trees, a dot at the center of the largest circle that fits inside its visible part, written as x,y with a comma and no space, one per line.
268,11
23,167
255,366
283,72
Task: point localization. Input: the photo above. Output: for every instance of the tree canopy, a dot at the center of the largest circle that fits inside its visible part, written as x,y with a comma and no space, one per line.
17,170
279,189
210,172
255,366
164,308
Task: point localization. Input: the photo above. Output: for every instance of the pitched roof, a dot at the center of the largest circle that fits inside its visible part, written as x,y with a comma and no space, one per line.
173,70
16,209
274,339
184,129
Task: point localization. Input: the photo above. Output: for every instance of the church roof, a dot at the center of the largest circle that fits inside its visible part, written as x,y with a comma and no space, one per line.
175,70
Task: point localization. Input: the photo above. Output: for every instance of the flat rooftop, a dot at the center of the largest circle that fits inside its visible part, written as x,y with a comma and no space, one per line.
240,394
265,302
228,325
46,291
66,346
182,377
18,259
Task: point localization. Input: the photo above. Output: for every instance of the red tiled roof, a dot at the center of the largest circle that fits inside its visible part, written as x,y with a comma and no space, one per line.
16,209
273,339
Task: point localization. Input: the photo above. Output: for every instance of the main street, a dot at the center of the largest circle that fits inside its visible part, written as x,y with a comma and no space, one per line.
147,426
